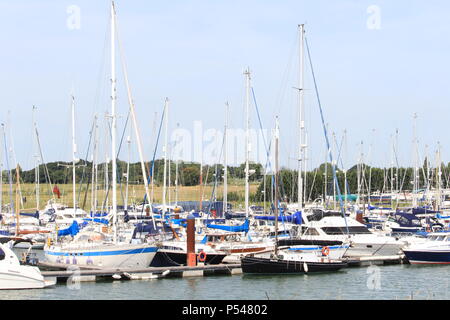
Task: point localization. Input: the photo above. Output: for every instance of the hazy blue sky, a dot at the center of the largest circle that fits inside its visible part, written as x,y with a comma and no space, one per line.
371,80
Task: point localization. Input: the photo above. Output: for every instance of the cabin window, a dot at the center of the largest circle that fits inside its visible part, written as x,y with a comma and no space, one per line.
343,230
312,232
2,254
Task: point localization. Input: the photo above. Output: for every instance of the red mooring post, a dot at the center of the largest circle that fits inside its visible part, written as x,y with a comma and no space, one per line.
190,241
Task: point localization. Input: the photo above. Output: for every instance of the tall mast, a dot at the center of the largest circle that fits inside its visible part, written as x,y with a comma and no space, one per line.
128,172
113,118
166,124
17,201
301,120
201,182
136,132
74,150
345,171
94,170
439,180
36,170
176,177
277,135
247,140
225,161
416,166
392,173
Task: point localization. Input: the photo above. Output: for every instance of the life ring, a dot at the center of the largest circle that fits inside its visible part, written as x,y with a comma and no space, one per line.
202,256
325,251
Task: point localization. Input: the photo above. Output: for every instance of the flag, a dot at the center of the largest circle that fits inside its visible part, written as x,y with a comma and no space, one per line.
56,191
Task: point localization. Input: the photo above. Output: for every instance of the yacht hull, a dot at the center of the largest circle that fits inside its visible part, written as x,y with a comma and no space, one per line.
21,277
168,258
269,266
112,256
427,257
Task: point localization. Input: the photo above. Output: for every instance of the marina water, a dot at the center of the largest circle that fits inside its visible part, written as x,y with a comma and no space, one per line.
390,282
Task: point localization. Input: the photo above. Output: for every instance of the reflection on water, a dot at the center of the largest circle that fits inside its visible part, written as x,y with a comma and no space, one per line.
394,282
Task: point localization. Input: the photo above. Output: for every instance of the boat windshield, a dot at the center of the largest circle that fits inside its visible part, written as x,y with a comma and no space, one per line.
2,254
343,230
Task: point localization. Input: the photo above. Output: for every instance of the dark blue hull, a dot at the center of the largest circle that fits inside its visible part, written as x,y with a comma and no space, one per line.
422,257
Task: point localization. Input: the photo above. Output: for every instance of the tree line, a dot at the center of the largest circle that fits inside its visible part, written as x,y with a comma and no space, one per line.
317,182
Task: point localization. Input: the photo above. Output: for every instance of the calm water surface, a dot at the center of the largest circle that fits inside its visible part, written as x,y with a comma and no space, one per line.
373,283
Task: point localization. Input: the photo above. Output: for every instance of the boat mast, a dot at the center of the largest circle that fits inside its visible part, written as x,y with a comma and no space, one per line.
439,190
17,201
277,135
176,175
225,161
36,170
166,124
416,167
247,141
345,171
128,172
301,120
113,118
74,160
94,170
136,132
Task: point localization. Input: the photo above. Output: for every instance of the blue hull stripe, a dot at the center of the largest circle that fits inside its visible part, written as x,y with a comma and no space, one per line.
436,257
319,248
102,253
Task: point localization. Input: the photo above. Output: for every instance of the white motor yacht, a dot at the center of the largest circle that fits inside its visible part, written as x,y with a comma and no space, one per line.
13,275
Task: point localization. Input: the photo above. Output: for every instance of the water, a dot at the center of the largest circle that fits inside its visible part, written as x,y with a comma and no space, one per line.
370,283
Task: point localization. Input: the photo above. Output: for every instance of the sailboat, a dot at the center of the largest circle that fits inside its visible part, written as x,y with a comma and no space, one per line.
302,258
282,260
91,246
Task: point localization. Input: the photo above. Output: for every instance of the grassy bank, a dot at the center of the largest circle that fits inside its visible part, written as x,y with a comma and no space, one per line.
135,194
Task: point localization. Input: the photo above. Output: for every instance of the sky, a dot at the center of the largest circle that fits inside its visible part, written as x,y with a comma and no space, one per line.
376,64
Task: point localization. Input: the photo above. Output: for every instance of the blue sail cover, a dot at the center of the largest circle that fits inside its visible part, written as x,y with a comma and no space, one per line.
70,231
242,228
27,214
104,221
422,210
295,218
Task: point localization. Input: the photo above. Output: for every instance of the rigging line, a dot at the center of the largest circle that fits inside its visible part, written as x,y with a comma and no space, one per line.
14,158
84,169
47,174
342,162
268,163
8,169
150,176
117,155
326,136
216,174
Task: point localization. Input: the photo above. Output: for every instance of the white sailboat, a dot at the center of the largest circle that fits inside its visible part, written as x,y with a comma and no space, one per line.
91,246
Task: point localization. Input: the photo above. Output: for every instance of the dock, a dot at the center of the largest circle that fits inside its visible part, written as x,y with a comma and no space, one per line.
375,260
64,272
83,274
